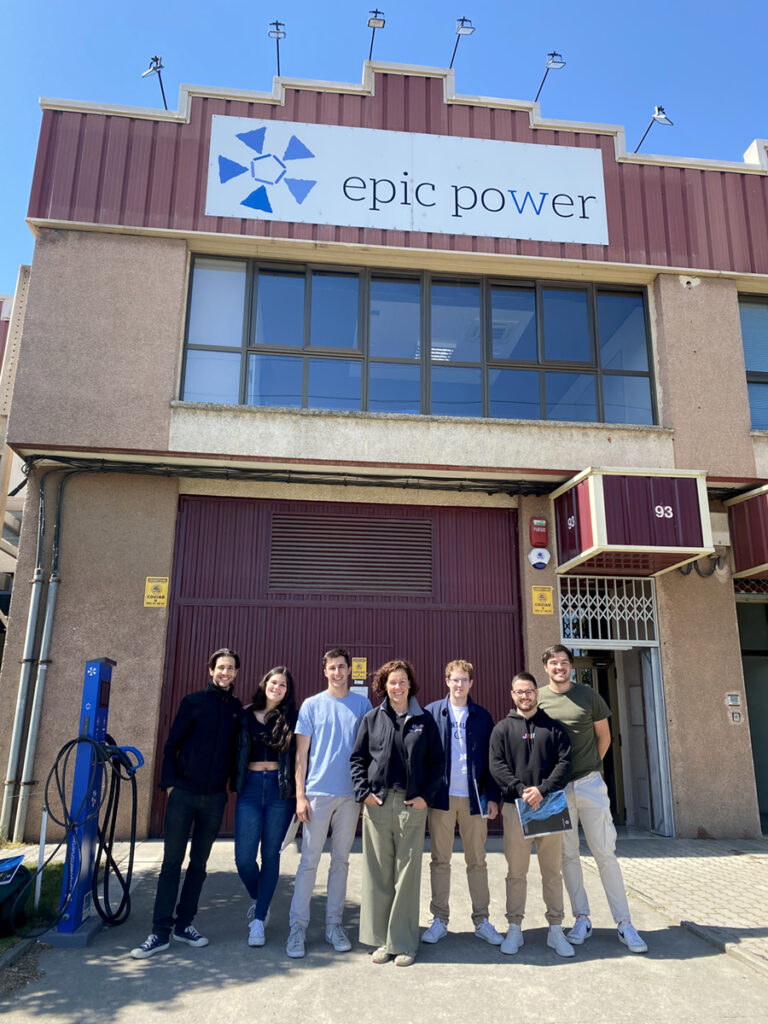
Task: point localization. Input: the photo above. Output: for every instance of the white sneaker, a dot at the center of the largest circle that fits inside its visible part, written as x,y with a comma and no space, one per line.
338,938
513,939
488,933
581,930
256,935
436,931
295,945
629,936
556,940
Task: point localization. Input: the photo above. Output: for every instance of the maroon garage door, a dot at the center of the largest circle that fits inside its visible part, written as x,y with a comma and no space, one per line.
282,581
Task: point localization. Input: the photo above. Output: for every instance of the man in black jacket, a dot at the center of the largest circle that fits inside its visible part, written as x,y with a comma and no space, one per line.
198,762
529,759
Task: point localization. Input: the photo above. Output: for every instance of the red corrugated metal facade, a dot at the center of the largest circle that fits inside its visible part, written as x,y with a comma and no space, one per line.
135,172
221,597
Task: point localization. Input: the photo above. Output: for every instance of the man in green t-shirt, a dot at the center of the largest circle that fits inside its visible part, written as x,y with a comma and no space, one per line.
585,716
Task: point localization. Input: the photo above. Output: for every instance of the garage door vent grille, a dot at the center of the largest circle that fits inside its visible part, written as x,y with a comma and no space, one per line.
350,554
602,611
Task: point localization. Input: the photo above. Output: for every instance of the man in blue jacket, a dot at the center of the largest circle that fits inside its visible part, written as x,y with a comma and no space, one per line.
198,762
469,795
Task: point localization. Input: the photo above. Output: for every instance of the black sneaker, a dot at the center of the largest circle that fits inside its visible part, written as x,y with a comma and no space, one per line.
151,945
190,935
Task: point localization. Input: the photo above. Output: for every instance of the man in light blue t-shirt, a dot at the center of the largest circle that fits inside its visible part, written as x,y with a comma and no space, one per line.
325,733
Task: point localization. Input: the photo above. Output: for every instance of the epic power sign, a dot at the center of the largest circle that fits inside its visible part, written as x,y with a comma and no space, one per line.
360,177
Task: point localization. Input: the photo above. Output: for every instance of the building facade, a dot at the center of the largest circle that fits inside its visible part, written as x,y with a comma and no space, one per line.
416,373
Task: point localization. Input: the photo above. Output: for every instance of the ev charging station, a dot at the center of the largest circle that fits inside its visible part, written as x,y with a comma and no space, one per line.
79,924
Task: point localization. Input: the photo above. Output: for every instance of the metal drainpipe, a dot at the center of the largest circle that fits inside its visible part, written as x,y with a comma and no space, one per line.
9,790
27,780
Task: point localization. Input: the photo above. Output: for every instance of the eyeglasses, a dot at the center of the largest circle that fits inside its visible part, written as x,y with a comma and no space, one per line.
523,693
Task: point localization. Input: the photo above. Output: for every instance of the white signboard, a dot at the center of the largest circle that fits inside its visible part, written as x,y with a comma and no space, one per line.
403,181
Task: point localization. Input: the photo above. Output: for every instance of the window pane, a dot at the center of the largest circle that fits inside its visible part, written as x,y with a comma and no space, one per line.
218,298
571,396
621,320
754,332
333,322
279,309
274,380
456,391
513,323
627,399
566,326
758,405
456,323
394,387
212,377
334,384
514,394
396,319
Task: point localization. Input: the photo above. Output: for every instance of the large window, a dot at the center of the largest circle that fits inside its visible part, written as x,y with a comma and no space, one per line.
754,334
314,338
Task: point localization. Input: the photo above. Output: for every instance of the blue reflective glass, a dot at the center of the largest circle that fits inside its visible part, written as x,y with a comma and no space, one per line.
333,319
571,396
334,384
514,394
513,323
274,380
394,387
212,377
279,309
627,400
218,300
456,323
758,405
621,323
754,333
395,319
456,391
566,326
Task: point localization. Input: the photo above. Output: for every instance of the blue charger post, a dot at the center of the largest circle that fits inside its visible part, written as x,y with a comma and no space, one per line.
79,924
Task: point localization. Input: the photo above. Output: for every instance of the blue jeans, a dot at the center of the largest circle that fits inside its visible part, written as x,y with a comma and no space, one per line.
202,813
261,818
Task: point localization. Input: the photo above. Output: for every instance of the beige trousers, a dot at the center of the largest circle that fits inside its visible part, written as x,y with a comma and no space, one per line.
473,829
517,850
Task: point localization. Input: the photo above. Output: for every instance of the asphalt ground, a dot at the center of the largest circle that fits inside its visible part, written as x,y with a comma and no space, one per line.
702,907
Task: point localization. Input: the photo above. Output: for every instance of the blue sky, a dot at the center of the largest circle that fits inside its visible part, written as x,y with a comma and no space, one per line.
703,62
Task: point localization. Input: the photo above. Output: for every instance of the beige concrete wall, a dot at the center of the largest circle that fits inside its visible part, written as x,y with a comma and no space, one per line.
713,779
102,341
701,379
539,631
116,530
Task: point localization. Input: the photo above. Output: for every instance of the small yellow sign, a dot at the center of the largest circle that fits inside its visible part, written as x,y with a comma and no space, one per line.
156,592
359,668
543,600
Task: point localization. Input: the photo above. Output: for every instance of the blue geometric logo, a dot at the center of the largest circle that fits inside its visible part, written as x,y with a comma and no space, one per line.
268,170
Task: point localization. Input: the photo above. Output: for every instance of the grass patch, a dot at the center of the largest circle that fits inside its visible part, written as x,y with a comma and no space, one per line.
48,908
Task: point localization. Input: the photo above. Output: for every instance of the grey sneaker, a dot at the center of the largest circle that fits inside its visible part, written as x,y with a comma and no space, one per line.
337,937
556,940
151,945
256,935
629,936
582,929
488,933
190,935
437,930
295,945
513,940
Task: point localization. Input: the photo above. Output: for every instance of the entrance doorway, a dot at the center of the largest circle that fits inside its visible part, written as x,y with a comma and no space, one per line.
753,631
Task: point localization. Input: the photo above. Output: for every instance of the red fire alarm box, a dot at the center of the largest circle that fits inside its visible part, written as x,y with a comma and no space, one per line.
539,533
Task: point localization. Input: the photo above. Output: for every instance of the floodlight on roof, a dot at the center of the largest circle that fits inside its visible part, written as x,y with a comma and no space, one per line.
276,33
464,27
554,63
156,68
657,117
375,21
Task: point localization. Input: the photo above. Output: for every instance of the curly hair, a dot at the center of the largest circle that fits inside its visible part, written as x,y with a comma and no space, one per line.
379,684
281,719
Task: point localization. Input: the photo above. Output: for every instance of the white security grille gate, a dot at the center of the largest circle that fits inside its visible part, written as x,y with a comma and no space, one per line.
608,611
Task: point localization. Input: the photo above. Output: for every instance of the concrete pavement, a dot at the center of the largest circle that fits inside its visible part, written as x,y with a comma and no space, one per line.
719,888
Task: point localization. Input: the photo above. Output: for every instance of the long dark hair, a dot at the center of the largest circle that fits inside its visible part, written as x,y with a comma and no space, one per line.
282,719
